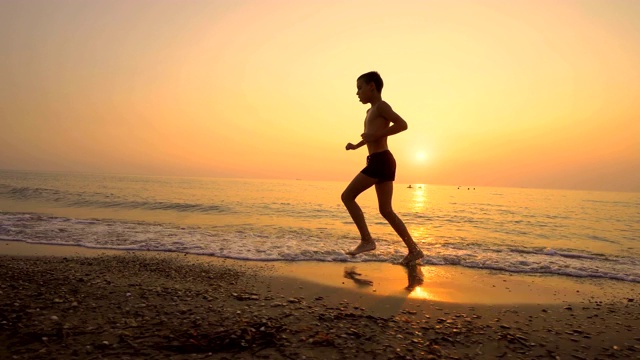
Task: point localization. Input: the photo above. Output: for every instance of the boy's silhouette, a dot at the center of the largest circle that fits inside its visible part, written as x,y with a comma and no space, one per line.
381,122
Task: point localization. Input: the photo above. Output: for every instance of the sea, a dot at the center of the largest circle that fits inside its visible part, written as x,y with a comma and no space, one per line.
585,234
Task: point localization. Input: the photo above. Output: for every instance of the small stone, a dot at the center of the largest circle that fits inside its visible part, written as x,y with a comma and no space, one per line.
54,318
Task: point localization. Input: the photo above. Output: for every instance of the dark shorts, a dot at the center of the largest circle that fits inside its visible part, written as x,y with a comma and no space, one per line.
381,165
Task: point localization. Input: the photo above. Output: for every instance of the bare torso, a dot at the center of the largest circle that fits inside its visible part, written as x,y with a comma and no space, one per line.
374,123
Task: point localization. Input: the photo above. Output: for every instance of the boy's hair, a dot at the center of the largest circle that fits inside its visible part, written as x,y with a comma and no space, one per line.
372,77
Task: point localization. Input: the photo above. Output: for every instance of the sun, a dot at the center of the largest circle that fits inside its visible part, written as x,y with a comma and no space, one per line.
421,156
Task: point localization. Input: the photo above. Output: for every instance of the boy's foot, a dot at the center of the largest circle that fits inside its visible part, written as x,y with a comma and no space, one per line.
364,246
412,257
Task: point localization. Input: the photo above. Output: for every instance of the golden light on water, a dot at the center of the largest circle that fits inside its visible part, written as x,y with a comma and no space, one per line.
419,204
421,234
419,197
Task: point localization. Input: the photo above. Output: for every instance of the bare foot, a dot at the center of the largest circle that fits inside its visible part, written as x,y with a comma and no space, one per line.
364,246
412,257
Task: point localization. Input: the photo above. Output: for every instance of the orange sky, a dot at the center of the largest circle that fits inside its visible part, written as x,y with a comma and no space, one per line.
496,93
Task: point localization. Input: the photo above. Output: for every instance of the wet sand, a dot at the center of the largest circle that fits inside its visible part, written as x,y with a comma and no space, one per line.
66,302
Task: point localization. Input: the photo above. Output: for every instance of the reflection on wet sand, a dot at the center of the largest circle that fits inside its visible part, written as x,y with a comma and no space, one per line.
416,279
351,273
393,284
415,276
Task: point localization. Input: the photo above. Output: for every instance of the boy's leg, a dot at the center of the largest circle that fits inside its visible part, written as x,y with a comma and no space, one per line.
384,190
359,184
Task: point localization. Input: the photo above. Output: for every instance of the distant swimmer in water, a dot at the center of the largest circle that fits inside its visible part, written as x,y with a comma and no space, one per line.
380,122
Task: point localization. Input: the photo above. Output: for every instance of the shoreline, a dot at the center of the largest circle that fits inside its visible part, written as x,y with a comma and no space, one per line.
85,303
442,283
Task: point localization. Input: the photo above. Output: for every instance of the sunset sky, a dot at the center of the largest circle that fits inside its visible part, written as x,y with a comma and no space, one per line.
496,93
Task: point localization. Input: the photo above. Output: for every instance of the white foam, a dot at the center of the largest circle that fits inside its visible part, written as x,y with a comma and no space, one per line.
291,244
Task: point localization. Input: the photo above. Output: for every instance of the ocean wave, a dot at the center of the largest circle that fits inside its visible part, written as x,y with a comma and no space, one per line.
615,203
104,200
296,244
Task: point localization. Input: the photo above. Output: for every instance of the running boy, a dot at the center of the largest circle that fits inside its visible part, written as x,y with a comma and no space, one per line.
381,122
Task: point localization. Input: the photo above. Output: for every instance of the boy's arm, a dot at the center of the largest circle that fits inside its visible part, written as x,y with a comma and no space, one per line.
351,146
398,123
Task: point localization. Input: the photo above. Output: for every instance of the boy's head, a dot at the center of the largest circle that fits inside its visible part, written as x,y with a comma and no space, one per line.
372,77
369,87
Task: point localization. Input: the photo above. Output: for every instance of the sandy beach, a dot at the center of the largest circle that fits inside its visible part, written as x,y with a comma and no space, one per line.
62,302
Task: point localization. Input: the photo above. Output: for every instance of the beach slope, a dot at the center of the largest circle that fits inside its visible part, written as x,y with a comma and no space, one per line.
137,305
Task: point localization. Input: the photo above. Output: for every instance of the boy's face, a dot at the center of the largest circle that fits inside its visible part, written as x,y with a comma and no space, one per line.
365,91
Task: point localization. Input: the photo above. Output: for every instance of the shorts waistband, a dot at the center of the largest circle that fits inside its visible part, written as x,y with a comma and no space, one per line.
377,153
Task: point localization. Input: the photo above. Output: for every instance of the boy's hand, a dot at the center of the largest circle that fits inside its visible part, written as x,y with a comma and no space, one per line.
350,146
